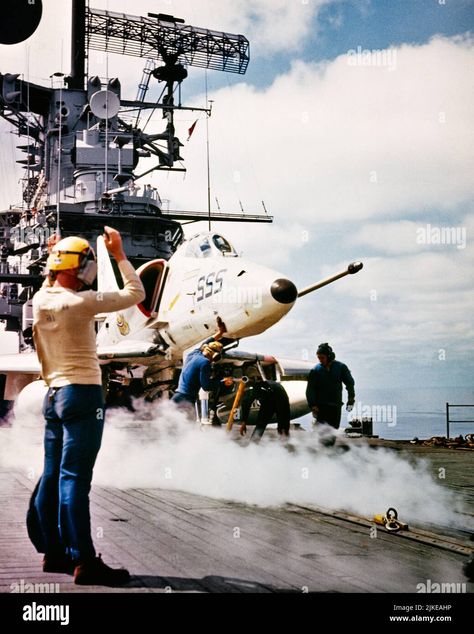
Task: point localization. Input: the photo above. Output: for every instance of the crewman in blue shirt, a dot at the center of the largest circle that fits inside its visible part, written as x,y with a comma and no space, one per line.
324,390
196,372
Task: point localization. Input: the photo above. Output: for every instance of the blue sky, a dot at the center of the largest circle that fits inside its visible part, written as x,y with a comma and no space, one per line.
353,161
385,23
376,24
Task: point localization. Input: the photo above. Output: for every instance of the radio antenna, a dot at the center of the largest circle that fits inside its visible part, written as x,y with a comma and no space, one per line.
60,74
208,114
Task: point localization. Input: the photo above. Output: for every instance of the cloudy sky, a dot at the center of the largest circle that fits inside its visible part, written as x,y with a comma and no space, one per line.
358,155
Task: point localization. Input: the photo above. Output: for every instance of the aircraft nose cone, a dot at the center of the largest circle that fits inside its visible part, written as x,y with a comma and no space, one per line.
284,291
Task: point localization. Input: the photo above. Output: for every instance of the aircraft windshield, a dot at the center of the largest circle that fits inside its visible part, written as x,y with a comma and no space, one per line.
224,247
209,245
199,248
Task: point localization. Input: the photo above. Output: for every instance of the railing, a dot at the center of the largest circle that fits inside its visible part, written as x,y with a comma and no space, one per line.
450,420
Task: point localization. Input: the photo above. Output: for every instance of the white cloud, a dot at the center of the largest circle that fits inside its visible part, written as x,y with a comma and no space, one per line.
406,236
46,51
417,302
309,145
270,25
389,237
406,314
273,244
312,142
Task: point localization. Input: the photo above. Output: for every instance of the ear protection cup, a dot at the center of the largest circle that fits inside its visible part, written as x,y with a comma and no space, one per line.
87,268
325,348
87,271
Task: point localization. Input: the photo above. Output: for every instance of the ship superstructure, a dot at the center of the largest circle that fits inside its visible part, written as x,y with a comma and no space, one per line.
83,143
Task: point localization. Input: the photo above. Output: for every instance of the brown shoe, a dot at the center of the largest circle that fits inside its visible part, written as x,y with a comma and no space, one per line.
95,573
58,563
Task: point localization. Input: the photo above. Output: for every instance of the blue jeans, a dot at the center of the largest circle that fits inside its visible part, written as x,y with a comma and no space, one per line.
185,403
74,423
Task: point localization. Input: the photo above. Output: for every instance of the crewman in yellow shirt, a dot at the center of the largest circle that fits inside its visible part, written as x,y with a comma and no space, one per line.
65,340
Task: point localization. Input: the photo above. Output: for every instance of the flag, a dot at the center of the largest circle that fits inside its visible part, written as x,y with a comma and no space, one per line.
191,129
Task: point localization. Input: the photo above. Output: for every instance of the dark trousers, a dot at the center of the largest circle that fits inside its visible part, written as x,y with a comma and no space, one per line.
330,414
74,423
268,409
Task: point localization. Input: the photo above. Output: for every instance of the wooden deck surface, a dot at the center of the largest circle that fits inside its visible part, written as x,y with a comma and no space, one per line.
174,541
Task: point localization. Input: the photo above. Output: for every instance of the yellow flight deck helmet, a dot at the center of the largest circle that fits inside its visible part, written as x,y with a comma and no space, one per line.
215,348
74,253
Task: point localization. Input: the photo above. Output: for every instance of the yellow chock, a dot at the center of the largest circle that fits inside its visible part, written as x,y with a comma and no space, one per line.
390,521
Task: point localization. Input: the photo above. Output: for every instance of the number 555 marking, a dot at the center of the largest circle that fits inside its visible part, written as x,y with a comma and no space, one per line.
209,285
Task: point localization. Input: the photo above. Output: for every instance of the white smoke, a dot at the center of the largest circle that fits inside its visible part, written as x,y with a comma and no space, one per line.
168,452
155,447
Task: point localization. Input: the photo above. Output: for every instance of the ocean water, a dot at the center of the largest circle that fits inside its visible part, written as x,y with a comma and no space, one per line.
402,414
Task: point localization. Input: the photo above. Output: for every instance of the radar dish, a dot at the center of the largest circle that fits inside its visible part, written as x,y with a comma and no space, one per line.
104,104
19,19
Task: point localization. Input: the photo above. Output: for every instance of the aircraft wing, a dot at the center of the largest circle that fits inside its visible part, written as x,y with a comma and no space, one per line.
26,363
129,350
238,357
292,369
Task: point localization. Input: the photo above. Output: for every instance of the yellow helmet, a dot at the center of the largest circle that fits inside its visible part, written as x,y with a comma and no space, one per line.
74,253
215,348
68,254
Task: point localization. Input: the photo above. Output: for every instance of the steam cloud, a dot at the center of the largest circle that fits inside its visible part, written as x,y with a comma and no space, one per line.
155,447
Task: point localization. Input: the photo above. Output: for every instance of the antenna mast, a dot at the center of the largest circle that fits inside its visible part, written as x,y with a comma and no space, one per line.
78,45
209,111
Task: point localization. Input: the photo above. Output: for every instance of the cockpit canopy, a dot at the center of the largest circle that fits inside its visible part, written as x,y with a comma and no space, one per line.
209,245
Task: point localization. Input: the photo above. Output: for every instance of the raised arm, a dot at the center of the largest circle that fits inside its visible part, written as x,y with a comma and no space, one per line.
221,330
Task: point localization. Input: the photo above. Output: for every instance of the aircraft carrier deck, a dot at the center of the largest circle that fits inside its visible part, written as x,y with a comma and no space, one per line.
182,543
